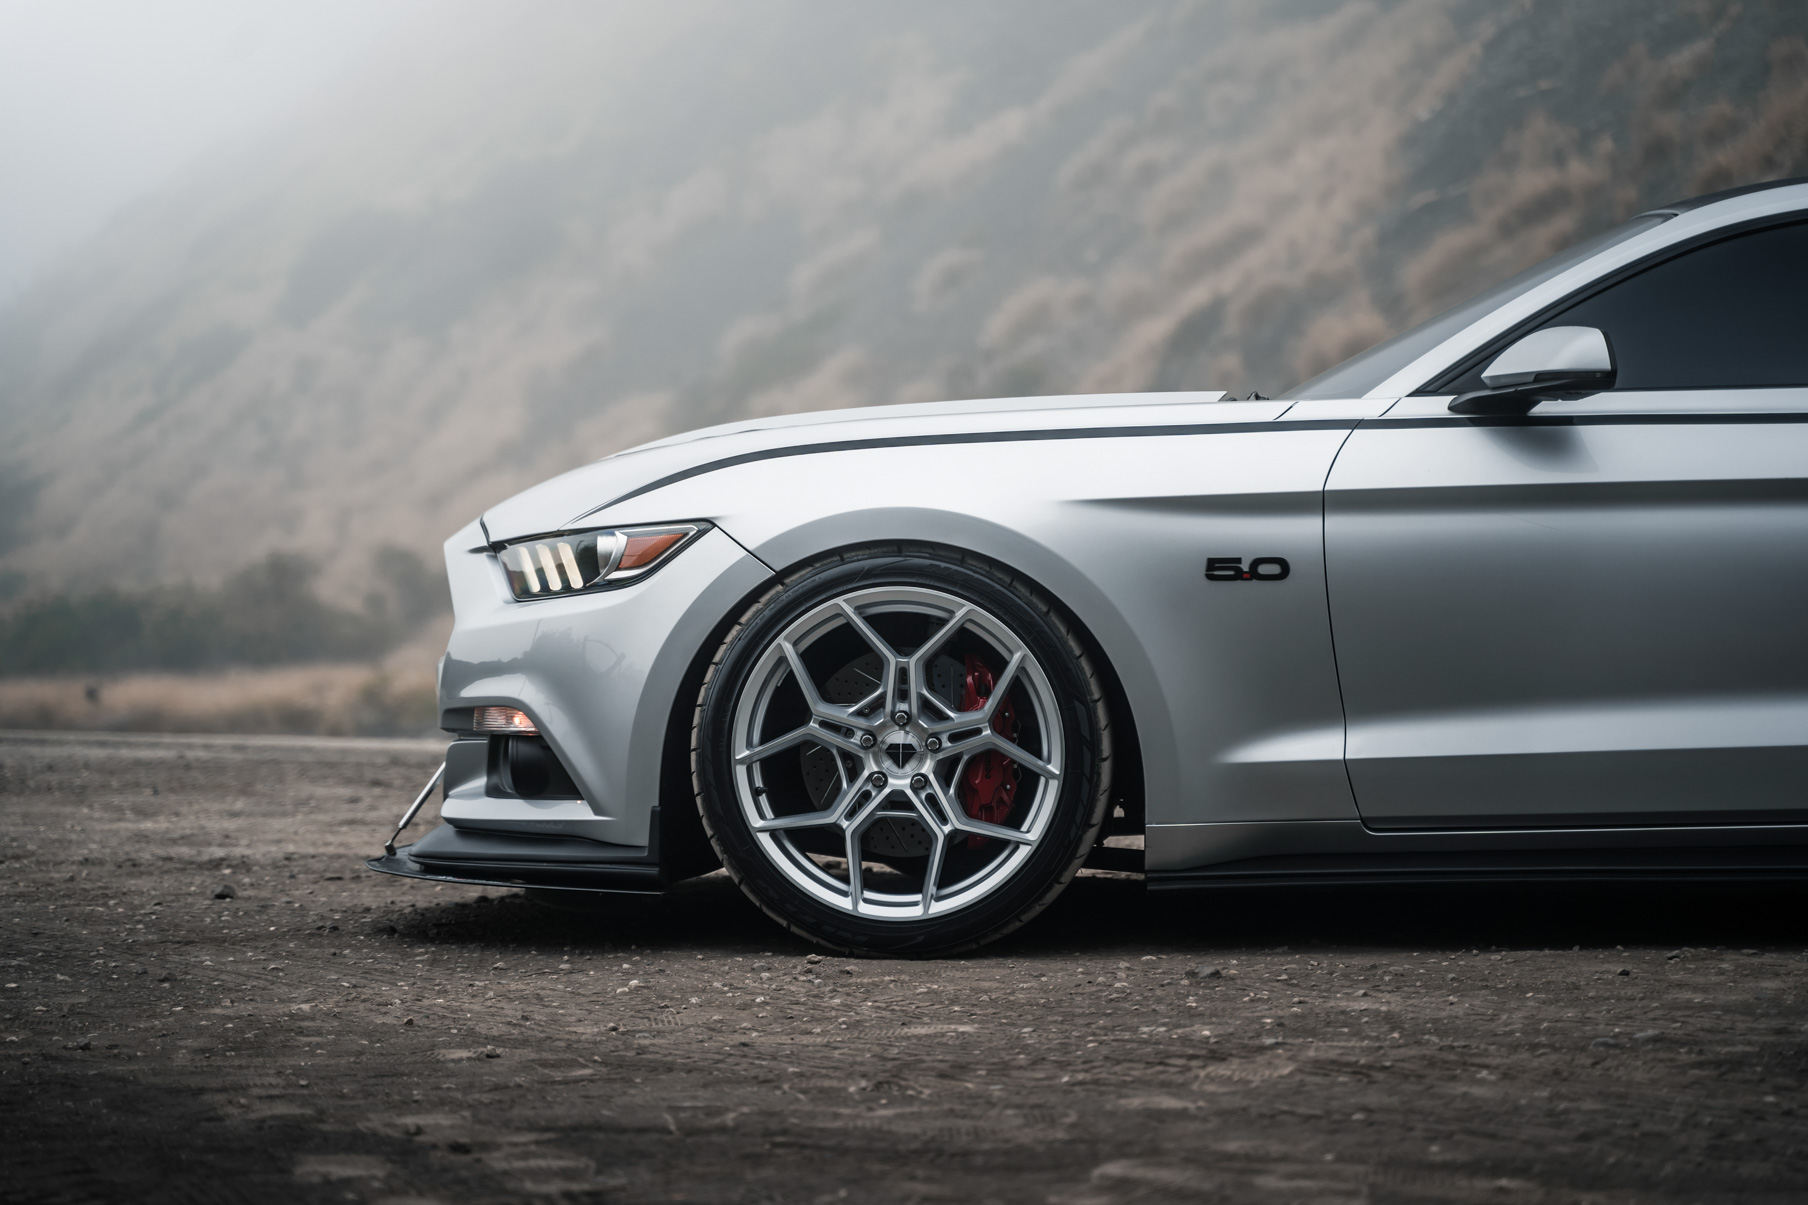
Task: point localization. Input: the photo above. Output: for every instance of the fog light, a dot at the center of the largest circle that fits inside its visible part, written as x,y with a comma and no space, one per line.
506,720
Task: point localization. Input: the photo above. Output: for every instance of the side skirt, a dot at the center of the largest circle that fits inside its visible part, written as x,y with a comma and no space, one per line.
1722,865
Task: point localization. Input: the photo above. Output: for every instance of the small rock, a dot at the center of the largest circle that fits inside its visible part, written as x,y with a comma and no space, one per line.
1603,1044
459,1148
1204,971
408,1020
1623,971
1673,955
1748,953
490,1052
813,959
225,892
761,966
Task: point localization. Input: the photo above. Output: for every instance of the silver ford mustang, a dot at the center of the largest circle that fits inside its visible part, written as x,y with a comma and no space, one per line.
1522,593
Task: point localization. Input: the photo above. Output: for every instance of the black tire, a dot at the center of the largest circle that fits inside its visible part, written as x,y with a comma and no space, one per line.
1080,798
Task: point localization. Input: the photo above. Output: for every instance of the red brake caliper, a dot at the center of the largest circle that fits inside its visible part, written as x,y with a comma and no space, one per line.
989,784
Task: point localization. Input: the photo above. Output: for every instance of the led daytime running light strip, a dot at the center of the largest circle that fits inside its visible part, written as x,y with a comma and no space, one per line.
589,560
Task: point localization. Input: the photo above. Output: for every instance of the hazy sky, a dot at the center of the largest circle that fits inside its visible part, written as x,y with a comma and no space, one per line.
102,100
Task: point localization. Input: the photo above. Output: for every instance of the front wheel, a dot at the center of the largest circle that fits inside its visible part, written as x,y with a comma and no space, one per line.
902,751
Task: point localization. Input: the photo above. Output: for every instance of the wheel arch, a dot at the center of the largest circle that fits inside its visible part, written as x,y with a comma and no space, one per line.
685,847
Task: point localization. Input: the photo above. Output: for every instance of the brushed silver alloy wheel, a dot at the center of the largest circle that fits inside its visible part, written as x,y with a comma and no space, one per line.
858,753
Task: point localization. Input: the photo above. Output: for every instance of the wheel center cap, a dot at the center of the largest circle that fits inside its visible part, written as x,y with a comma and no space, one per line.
900,749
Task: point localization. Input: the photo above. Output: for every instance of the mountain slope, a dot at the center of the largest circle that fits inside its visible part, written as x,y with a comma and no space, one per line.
520,244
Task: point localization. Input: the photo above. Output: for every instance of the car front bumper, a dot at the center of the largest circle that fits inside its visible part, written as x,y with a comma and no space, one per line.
599,674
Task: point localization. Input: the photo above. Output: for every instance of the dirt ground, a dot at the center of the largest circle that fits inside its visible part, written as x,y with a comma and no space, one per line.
327,1034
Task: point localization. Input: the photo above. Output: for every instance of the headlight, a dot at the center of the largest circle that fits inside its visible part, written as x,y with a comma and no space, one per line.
591,560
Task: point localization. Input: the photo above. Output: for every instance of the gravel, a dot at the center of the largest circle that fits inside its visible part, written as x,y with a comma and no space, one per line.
323,1033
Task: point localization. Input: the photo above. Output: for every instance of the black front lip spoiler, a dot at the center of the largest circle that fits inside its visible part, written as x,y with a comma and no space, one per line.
629,880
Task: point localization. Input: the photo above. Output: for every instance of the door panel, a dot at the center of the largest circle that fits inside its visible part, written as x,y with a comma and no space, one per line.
1594,615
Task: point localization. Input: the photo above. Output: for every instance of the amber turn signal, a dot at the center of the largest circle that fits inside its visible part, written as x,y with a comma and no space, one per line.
505,720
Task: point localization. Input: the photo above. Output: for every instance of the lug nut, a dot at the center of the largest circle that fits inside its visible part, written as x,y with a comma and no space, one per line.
918,782
877,778
902,717
934,742
868,740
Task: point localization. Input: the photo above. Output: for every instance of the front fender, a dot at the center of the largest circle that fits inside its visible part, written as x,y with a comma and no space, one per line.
1232,687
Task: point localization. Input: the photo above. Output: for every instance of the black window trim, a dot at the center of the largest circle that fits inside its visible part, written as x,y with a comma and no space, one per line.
1444,381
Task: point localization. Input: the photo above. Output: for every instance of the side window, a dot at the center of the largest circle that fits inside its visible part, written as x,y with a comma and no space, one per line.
1728,315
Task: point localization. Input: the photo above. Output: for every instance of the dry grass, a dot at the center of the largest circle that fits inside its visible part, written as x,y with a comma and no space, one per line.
337,700
393,697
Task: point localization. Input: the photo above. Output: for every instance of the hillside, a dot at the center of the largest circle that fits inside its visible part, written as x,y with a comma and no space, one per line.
513,245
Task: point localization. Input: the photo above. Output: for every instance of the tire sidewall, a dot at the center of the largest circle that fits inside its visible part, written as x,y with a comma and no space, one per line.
1077,808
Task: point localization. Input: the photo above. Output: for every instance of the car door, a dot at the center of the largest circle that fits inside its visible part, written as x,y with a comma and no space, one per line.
1595,614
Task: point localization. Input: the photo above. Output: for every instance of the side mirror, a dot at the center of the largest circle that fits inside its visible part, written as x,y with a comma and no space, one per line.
1543,365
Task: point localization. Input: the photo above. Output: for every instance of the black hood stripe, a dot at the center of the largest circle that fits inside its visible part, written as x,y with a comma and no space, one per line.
971,437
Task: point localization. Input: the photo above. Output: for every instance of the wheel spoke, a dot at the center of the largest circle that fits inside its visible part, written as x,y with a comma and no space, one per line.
981,828
811,733
958,720
933,645
888,685
831,815
830,737
938,847
854,834
919,679
779,744
812,698
959,821
878,643
1001,686
929,696
987,739
855,827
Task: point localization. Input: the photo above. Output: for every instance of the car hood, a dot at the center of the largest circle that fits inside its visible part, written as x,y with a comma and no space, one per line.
580,497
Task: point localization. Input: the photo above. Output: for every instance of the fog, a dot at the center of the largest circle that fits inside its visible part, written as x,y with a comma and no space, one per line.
459,249
101,101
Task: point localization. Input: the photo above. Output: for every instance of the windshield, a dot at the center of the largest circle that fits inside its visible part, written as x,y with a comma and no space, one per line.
1363,372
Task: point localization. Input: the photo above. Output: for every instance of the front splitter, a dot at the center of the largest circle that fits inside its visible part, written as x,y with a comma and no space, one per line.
623,880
